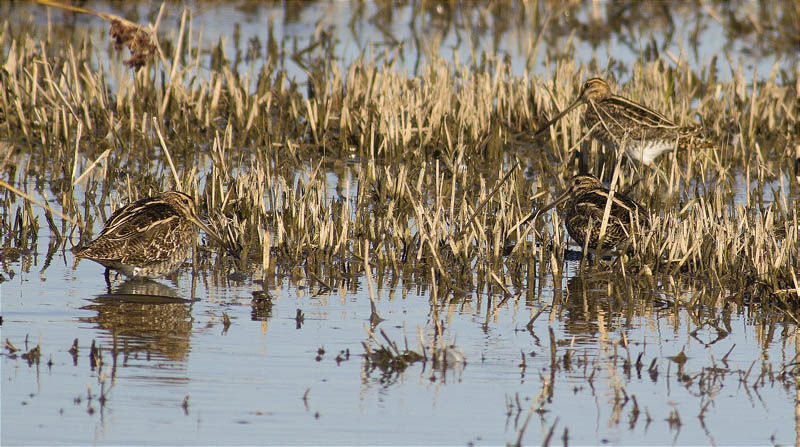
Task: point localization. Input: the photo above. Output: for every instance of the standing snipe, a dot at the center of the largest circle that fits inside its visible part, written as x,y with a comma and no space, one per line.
613,119
148,238
585,205
797,169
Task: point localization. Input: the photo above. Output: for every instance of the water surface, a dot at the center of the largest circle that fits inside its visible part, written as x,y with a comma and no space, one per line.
205,364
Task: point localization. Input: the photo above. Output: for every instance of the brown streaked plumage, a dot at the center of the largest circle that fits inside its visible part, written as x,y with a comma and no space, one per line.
797,169
613,119
148,238
584,203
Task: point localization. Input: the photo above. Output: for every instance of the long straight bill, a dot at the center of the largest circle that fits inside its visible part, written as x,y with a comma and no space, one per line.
574,104
556,202
211,233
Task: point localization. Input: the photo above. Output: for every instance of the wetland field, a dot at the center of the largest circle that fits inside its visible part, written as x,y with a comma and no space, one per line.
372,168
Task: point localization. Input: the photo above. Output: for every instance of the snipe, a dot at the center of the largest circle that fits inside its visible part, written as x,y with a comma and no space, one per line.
613,119
797,169
584,203
148,238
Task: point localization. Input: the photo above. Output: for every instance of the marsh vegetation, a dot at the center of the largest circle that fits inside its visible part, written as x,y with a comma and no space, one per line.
360,177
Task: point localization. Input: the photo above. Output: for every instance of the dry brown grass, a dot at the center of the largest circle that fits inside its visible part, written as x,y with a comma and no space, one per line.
415,177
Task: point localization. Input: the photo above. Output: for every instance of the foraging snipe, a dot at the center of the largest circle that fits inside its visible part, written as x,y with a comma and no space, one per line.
797,169
613,119
585,205
148,238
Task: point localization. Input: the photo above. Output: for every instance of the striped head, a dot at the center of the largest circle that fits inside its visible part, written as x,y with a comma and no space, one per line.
185,205
182,203
582,183
594,89
577,186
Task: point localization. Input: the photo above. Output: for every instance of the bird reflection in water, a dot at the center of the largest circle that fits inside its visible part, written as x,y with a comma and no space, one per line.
144,316
604,302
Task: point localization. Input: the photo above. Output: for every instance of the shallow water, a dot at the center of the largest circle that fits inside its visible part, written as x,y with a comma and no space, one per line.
263,378
204,364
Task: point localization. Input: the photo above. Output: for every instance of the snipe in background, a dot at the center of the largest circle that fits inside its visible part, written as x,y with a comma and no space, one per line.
797,169
148,238
612,119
